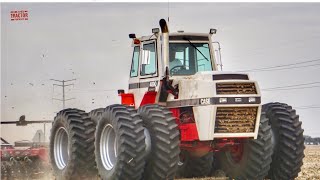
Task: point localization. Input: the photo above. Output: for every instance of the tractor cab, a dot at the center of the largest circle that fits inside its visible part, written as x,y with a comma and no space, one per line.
188,54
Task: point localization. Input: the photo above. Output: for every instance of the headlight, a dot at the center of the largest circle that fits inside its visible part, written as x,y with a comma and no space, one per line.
252,99
222,100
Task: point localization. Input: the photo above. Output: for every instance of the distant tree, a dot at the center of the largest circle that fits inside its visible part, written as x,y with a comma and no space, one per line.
310,140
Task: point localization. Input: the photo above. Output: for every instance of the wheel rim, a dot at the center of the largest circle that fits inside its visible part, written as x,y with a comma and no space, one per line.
61,150
182,158
147,141
108,147
236,153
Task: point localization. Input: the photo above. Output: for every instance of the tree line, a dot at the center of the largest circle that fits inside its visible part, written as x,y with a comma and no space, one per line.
311,140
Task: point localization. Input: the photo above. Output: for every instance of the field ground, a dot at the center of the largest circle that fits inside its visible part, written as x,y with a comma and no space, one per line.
311,163
310,168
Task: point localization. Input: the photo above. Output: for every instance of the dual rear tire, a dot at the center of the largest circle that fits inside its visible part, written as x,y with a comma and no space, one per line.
162,161
112,142
120,144
71,145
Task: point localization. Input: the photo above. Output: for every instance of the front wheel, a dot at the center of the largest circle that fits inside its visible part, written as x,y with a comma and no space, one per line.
251,158
197,167
287,141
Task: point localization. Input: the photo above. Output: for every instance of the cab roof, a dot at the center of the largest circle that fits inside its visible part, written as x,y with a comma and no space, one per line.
177,36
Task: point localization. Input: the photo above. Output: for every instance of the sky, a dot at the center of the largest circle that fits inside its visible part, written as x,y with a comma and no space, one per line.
89,42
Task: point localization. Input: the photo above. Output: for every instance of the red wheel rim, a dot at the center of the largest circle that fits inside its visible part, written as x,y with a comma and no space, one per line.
236,152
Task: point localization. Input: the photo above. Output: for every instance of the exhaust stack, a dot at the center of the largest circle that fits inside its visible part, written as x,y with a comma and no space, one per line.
165,43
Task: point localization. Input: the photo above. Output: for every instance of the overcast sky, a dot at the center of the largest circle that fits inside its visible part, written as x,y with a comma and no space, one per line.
90,42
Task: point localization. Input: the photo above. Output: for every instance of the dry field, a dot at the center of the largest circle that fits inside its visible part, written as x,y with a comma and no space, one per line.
310,168
311,163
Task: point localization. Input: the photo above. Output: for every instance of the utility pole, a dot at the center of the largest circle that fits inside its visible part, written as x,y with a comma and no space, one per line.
63,85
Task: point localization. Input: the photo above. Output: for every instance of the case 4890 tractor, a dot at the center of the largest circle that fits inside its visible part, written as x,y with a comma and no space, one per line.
181,117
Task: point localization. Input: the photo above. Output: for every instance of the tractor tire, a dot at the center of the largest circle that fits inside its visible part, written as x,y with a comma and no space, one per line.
120,128
287,140
95,114
255,156
182,164
199,167
71,145
162,159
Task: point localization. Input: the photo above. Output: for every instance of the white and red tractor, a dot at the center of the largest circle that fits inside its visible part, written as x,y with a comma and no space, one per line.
180,117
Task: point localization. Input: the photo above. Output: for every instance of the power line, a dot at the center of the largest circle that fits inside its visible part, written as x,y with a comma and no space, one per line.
308,108
280,89
91,90
63,85
278,66
279,69
295,85
309,87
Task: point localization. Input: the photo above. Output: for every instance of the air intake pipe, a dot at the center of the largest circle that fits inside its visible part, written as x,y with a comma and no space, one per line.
166,83
165,44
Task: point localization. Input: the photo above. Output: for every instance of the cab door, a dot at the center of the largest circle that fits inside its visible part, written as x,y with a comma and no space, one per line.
149,74
134,73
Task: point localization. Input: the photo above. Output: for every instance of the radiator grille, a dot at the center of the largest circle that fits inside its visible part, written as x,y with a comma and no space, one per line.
236,88
235,119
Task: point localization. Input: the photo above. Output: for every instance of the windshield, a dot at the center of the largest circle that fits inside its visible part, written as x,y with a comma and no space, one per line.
189,58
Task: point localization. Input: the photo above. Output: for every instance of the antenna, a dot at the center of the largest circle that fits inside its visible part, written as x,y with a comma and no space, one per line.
168,12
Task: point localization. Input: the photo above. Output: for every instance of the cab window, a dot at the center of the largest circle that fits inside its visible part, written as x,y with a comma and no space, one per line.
135,62
189,58
149,63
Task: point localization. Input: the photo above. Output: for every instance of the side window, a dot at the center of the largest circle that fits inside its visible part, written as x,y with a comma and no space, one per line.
135,62
149,64
204,64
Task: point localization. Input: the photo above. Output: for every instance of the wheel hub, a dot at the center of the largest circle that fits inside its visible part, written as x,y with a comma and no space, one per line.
61,150
236,152
108,147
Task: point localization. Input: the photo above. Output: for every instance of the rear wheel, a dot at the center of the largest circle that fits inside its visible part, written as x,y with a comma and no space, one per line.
120,144
199,166
95,114
162,161
287,140
71,143
251,158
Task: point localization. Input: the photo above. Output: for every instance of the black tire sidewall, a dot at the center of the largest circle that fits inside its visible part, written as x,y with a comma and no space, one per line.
238,167
104,121
59,122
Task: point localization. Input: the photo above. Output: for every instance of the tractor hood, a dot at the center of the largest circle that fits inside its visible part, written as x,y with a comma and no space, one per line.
205,92
214,84
214,75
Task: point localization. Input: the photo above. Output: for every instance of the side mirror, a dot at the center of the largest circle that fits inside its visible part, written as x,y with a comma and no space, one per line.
120,91
132,36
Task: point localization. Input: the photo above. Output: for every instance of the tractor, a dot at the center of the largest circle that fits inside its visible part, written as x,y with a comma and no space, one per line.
180,118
